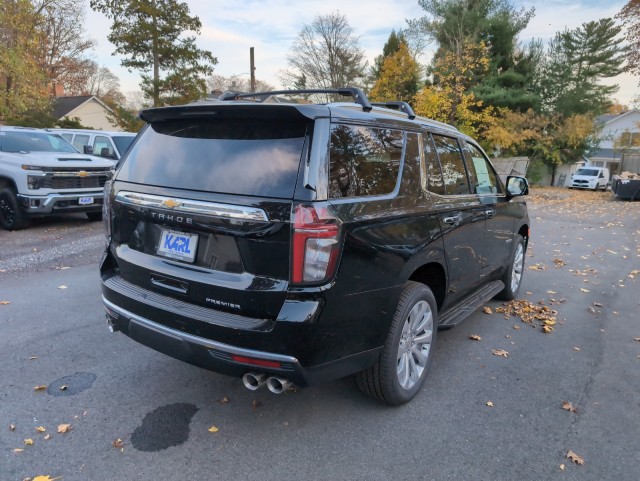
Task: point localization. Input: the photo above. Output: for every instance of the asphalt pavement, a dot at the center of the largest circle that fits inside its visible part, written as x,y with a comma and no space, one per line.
135,414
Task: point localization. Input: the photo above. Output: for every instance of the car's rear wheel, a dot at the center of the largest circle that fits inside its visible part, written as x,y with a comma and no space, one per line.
513,276
11,217
404,362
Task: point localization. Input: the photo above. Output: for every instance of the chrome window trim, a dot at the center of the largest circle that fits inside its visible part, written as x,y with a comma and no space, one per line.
188,206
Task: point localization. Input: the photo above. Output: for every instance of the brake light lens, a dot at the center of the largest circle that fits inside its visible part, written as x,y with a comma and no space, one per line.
315,244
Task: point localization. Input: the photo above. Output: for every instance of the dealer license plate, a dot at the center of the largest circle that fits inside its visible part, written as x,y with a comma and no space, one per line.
85,200
178,245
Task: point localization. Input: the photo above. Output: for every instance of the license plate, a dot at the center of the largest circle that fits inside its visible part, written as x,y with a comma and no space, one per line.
85,200
178,245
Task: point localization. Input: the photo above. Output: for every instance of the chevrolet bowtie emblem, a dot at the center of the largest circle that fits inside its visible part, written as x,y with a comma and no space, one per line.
171,203
83,173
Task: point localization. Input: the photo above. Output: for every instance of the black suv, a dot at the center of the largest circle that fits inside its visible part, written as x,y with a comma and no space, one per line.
297,243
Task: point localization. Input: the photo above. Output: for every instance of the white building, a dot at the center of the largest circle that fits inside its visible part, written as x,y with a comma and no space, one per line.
619,142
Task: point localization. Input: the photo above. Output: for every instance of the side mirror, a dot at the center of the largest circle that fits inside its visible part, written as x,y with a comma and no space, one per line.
87,149
517,186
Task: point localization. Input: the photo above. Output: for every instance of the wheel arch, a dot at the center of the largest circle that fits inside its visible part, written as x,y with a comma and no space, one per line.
433,275
7,182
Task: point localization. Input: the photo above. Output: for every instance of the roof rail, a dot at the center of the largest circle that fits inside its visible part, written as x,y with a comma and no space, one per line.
397,105
358,95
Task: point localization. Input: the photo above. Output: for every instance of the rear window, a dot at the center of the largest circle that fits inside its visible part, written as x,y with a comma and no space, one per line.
244,156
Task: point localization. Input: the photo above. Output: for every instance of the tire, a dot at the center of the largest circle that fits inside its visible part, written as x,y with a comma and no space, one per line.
94,216
513,277
11,216
402,368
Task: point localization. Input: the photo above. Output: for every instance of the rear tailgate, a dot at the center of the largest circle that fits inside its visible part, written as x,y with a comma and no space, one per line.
202,209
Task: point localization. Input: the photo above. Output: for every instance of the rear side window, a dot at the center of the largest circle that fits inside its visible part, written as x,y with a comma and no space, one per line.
363,160
122,142
239,155
433,175
453,169
100,143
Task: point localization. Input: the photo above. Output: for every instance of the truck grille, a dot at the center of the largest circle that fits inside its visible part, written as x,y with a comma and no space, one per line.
62,179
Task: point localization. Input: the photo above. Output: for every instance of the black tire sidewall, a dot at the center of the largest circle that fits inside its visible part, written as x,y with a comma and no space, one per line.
394,394
9,197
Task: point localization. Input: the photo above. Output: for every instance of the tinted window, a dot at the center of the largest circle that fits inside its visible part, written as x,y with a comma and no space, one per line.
453,169
590,172
122,142
80,141
483,177
100,143
433,174
11,141
363,161
228,155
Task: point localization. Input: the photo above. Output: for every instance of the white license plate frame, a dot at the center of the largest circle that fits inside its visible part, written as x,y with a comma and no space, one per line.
178,245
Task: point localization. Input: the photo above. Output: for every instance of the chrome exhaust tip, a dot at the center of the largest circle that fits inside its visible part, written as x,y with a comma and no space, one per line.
111,325
277,385
254,381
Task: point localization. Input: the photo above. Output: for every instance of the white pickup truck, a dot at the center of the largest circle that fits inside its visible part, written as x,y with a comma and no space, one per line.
41,173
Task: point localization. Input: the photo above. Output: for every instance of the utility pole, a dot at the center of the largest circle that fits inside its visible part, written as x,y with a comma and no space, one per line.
252,70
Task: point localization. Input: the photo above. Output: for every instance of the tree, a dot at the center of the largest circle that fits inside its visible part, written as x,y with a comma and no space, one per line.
576,62
326,54
390,47
22,79
149,33
95,80
630,17
237,83
450,99
63,46
454,24
398,78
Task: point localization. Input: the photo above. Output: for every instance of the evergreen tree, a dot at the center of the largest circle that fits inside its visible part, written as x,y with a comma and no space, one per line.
150,34
576,62
390,47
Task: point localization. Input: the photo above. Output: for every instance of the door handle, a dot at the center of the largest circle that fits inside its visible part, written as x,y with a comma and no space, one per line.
170,284
490,213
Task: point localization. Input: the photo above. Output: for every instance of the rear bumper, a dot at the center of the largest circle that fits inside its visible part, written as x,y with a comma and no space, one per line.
229,359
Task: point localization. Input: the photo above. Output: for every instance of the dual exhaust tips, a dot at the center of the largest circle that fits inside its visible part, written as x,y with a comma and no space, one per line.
254,381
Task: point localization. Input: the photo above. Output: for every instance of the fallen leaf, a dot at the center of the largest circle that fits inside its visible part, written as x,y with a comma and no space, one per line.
40,429
487,310
636,339
4,303
32,358
62,287
223,400
576,348
47,437
575,458
516,327
475,337
569,407
255,404
12,427
582,289
551,292
45,478
547,329
213,429
500,352
28,442
490,404
64,387
39,388
597,304
118,443
18,450
562,467
64,428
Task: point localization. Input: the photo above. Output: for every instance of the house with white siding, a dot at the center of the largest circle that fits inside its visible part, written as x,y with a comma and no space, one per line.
92,112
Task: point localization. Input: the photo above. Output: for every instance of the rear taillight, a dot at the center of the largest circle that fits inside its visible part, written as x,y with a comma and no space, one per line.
106,209
315,244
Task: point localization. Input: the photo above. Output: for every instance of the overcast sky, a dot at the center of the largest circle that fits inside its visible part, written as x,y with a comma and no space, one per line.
230,28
